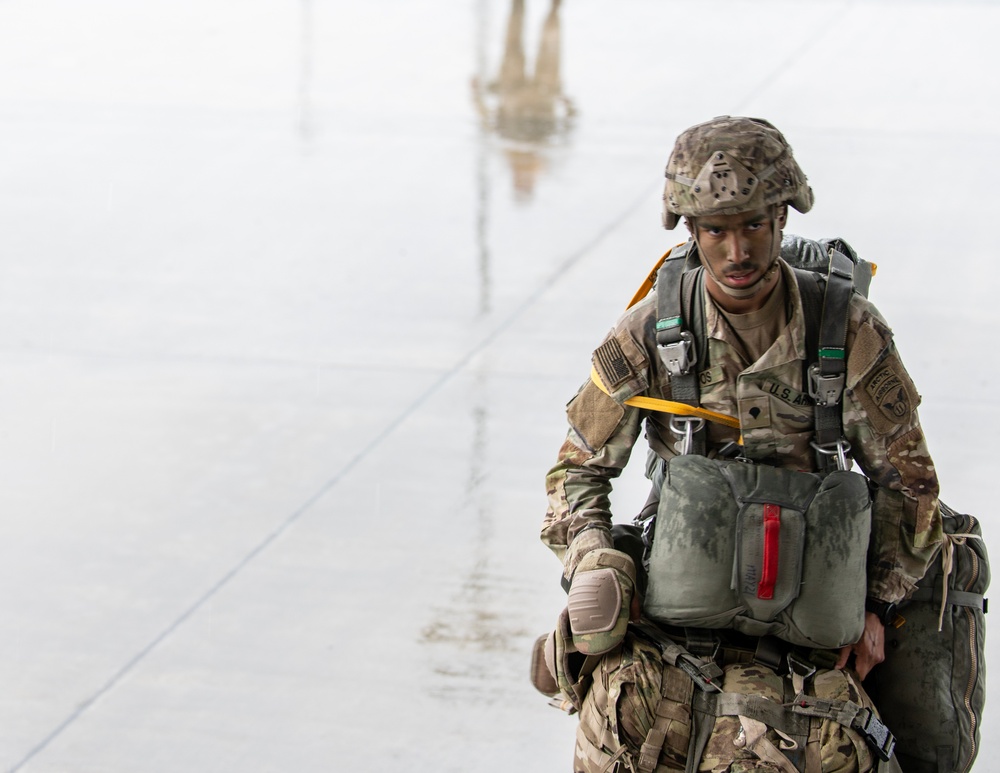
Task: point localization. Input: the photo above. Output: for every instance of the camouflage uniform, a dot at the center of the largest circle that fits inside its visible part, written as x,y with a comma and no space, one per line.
725,167
879,418
623,703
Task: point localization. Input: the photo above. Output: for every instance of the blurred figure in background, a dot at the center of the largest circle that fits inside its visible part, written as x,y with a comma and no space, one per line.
526,110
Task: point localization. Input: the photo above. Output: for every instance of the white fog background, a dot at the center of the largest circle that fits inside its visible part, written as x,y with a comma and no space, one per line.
292,296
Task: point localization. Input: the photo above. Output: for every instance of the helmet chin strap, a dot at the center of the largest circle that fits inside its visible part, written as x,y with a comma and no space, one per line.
745,293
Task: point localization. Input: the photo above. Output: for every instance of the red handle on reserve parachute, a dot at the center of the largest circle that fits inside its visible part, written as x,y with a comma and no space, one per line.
769,571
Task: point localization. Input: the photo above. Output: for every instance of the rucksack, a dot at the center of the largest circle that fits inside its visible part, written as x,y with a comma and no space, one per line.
931,688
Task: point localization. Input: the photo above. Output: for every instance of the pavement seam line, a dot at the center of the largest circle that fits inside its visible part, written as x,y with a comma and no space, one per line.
503,325
463,361
460,365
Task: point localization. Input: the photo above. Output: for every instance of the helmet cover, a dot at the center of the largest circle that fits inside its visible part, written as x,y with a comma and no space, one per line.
730,165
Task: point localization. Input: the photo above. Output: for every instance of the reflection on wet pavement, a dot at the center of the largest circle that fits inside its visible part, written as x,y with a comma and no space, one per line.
526,109
471,627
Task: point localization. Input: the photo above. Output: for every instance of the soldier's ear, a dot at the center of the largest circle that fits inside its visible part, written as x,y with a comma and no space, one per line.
783,216
689,224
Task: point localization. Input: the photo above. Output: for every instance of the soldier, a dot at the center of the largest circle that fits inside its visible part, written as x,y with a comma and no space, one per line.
726,577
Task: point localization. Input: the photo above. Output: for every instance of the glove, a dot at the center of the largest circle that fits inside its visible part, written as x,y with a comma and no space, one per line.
589,539
600,596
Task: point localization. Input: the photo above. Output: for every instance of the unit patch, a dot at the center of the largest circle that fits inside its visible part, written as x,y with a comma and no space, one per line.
886,388
888,395
612,364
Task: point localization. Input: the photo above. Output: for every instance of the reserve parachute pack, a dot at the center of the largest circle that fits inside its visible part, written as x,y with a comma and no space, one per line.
800,543
931,688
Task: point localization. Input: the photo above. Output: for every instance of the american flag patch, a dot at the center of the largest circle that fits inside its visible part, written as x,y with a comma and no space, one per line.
612,364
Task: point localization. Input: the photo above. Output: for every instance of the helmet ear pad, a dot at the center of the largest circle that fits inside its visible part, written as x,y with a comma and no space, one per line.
803,199
670,219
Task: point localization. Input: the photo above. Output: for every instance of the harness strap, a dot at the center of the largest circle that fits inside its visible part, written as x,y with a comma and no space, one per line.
859,718
709,706
675,699
771,713
704,673
811,291
814,749
955,598
827,376
679,310
754,739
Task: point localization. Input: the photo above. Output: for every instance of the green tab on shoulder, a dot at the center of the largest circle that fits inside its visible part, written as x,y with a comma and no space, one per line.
666,324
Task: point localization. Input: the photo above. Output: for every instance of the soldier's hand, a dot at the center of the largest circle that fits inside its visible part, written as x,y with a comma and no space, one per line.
601,600
869,650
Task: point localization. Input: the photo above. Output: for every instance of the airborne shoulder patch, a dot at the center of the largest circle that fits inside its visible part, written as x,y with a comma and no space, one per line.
612,365
886,388
888,395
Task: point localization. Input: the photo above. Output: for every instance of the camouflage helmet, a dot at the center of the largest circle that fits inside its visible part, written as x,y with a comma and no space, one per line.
730,165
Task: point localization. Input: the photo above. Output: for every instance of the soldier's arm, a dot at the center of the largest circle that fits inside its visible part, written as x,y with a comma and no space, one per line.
882,425
597,448
602,432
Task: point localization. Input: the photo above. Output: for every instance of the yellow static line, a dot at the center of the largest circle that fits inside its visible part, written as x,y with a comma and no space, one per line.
669,406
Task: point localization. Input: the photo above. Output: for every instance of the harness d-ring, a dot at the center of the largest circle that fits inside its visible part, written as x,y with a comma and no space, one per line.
840,449
691,425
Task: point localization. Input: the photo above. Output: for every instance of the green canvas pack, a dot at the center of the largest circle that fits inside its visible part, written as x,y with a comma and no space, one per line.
760,550
932,686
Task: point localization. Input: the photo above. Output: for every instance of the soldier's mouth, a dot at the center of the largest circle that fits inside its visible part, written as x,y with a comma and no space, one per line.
741,278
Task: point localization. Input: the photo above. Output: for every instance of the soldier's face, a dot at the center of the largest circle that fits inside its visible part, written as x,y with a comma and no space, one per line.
737,249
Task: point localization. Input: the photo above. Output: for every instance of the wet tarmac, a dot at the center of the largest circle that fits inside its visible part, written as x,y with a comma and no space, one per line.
292,296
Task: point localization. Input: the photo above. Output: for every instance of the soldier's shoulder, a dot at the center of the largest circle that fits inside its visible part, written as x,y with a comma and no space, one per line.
869,339
640,319
864,313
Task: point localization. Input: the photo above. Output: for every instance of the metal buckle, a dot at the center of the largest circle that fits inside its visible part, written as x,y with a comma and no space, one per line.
876,733
732,450
703,673
800,666
691,424
840,449
680,356
825,390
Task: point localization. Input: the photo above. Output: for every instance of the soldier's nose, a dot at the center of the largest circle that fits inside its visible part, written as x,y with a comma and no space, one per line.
739,249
